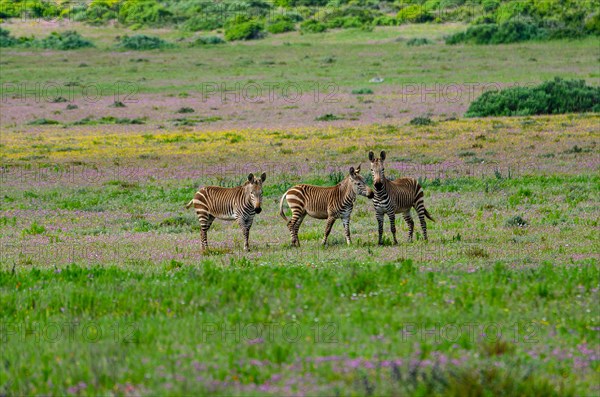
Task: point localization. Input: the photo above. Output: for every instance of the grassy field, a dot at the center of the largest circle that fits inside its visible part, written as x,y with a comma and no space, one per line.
103,287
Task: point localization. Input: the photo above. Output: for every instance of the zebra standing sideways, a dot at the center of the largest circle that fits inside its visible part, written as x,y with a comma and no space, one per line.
394,197
238,203
324,203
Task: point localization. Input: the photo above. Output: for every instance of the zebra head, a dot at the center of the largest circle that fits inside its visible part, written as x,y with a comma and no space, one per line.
358,183
254,190
377,169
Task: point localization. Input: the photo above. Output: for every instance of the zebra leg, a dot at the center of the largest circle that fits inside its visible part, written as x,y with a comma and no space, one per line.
246,224
294,226
423,224
392,217
330,222
411,224
205,223
347,230
246,231
380,216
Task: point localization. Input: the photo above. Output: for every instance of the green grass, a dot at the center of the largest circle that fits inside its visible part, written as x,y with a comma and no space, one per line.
104,291
150,326
359,56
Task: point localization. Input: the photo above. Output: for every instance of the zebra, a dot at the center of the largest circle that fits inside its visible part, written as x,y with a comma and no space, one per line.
239,203
394,197
328,203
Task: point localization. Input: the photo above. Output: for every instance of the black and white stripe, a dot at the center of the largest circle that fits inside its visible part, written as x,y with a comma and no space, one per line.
239,203
329,203
394,197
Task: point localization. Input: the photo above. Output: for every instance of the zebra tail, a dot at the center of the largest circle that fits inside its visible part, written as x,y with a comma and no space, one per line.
427,215
281,210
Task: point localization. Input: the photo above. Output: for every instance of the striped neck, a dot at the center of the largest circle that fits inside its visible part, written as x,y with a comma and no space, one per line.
381,191
346,189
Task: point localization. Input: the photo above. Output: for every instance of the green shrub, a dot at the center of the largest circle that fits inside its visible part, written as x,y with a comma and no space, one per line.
202,22
551,97
418,41
312,26
143,12
142,42
68,40
414,13
362,91
185,110
508,32
43,122
281,24
243,28
328,117
6,40
208,40
592,24
516,31
97,13
385,20
516,221
421,121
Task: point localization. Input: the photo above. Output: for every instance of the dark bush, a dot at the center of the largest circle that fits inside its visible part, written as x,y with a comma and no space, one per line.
208,40
142,42
362,91
6,40
551,97
43,121
185,110
515,221
328,117
421,121
509,32
312,26
68,40
418,41
243,28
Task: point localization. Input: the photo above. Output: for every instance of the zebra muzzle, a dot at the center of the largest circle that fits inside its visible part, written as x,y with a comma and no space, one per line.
258,210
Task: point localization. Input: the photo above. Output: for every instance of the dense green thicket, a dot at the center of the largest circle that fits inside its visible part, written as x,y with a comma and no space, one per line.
493,20
6,40
68,40
142,42
507,32
551,97
244,28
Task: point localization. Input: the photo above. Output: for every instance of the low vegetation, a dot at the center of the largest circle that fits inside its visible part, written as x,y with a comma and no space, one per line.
141,42
556,19
67,40
552,97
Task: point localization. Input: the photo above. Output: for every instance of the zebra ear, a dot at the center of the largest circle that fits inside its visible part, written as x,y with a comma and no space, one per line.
263,176
351,171
251,177
358,169
371,156
382,155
